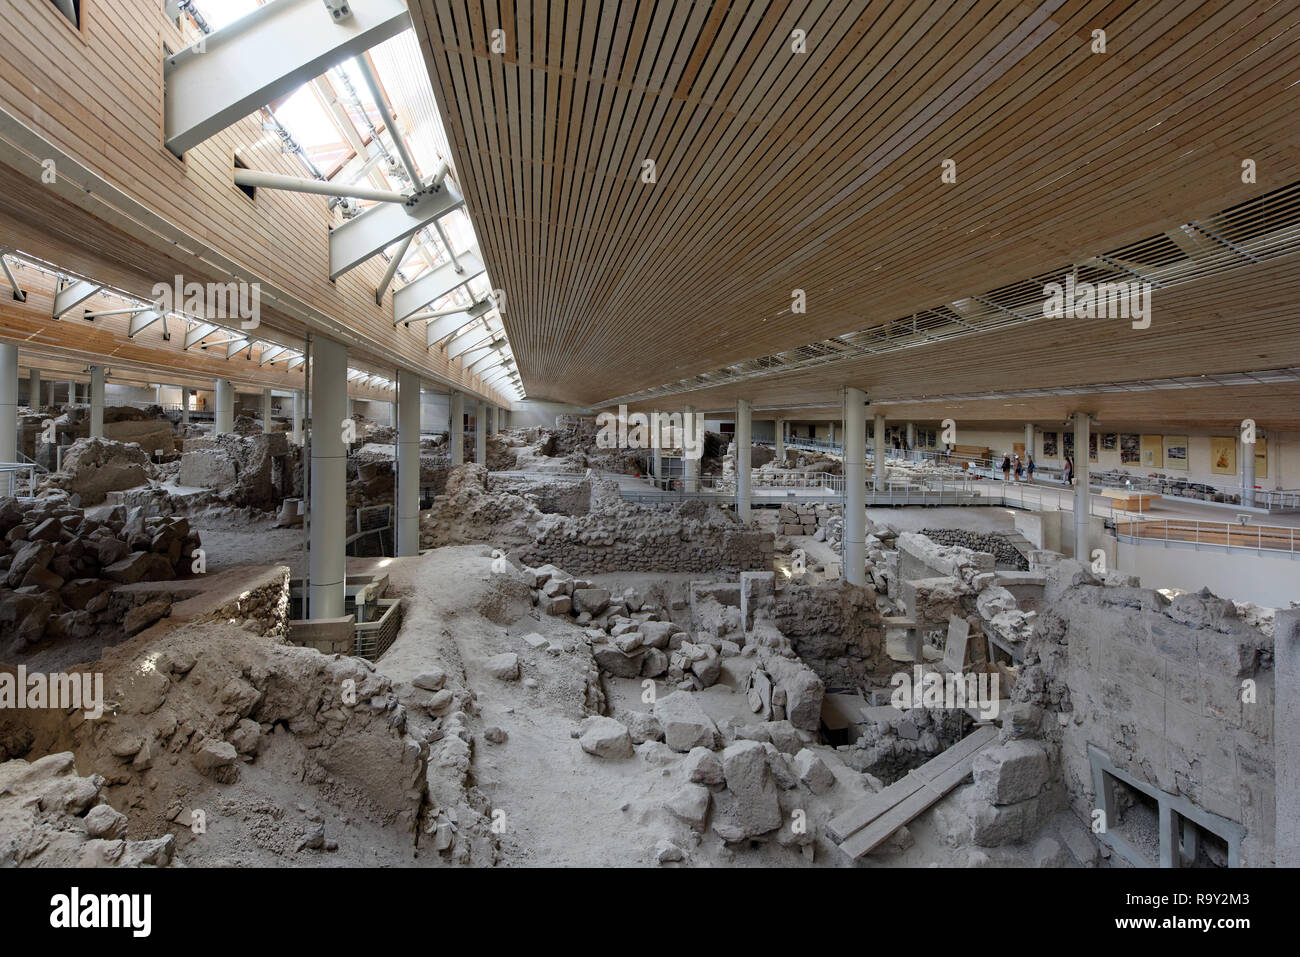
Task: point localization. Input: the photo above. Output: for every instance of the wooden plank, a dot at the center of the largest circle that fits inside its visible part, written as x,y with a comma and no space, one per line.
844,825
928,791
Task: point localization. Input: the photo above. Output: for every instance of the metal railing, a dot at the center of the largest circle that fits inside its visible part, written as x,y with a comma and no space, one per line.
18,479
1210,535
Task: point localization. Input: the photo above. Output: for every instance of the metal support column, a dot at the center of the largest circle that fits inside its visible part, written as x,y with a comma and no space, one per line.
1082,498
96,402
690,466
457,437
1248,474
408,464
8,410
299,413
879,442
223,407
329,473
855,486
744,439
480,433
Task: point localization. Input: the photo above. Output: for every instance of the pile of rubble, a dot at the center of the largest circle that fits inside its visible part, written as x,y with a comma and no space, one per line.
50,816
94,467
61,564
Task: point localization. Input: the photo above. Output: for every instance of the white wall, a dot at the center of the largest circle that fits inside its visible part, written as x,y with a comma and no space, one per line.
1240,575
532,413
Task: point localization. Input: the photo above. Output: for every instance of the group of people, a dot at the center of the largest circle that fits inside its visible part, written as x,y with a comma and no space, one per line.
1024,471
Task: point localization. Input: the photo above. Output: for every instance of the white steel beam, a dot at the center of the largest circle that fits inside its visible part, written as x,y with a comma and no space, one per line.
445,328
373,231
262,56
271,353
494,358
142,320
73,295
433,285
471,340
200,332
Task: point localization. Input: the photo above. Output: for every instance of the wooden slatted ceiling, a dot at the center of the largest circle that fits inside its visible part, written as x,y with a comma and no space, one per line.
96,95
1239,321
821,171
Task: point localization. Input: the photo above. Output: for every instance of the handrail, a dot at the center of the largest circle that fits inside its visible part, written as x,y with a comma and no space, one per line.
1259,538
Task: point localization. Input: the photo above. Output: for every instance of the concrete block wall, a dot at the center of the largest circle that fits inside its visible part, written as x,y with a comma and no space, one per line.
1159,687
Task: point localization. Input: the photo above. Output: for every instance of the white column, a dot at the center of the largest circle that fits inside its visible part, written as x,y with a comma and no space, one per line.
879,441
266,410
1029,444
855,486
1082,499
185,405
779,431
457,429
832,432
52,393
656,451
408,463
299,413
744,429
1247,473
480,434
96,402
911,435
329,473
8,409
223,406
72,392
690,466
34,389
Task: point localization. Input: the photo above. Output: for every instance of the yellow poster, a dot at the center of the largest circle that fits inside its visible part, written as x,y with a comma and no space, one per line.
1153,451
1223,454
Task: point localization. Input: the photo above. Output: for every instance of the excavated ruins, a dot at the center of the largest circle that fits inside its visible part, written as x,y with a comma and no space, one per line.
565,677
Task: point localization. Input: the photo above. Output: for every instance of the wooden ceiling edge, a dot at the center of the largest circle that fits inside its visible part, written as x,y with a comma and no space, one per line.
136,216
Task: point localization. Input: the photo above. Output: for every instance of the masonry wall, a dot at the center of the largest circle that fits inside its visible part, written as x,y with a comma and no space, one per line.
646,541
1159,687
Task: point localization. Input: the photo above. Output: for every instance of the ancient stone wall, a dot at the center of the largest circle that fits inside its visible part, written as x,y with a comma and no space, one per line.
629,538
1178,693
835,628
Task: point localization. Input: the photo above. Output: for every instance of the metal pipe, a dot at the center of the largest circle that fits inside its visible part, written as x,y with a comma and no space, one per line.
390,117
393,265
18,291
256,177
133,311
437,225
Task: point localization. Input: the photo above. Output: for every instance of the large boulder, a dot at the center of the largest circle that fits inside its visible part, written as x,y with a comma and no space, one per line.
605,738
748,806
685,723
94,467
